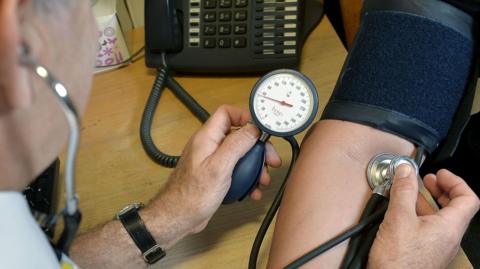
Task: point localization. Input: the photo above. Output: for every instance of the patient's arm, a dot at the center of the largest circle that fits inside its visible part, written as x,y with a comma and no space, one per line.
327,190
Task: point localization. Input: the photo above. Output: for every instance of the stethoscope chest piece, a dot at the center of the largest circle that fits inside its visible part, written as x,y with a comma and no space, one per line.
381,168
378,170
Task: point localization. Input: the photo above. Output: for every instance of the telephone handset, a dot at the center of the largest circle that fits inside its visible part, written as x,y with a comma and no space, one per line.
225,36
162,26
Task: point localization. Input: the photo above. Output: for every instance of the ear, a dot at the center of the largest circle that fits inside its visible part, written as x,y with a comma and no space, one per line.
14,89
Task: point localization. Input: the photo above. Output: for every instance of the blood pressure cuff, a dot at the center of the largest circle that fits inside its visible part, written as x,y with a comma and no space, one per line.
408,71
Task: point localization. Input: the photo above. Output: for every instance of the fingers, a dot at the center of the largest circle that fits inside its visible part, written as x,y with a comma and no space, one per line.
452,184
256,195
432,186
423,206
213,132
404,192
265,180
273,160
219,124
430,182
272,157
265,177
235,146
463,202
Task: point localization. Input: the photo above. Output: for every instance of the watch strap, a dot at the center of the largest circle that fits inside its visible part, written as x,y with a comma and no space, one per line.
151,251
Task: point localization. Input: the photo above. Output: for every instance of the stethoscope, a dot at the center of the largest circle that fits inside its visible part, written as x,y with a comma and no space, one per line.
380,173
282,103
71,213
277,100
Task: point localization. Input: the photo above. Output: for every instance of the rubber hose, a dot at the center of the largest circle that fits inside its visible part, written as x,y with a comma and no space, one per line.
257,244
361,257
356,241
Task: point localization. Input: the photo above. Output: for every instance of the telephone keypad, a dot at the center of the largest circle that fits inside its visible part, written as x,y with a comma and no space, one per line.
209,43
209,16
239,42
240,3
225,16
210,3
225,3
224,42
223,23
224,29
240,15
240,29
209,30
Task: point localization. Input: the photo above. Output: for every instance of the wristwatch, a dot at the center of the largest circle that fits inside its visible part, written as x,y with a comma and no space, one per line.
151,251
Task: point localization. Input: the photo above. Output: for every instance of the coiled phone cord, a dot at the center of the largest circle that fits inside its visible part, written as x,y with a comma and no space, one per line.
162,80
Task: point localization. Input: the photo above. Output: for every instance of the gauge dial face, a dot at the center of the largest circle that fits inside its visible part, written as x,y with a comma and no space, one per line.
284,103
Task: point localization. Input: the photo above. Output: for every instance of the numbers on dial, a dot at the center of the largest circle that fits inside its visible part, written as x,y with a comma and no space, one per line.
283,102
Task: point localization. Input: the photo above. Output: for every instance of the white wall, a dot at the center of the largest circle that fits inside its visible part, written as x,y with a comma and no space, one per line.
136,8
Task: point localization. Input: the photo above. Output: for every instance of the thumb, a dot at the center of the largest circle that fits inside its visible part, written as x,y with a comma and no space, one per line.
404,192
235,146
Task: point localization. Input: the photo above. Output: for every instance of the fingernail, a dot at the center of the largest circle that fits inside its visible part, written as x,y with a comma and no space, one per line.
403,171
252,130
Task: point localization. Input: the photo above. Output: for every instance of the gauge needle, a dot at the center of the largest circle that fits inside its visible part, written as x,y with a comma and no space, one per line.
283,103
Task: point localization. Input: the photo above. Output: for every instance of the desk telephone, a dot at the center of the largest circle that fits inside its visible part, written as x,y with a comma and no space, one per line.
222,36
226,36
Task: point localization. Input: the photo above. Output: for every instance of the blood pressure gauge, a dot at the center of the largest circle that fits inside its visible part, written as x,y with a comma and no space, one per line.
283,103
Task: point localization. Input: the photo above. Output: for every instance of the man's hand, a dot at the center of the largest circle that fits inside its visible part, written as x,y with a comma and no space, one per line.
196,188
409,240
193,193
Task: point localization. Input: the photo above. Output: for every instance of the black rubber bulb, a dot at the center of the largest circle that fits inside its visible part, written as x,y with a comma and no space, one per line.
246,173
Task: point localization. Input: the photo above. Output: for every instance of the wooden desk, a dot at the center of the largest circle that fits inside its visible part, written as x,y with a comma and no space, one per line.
113,170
